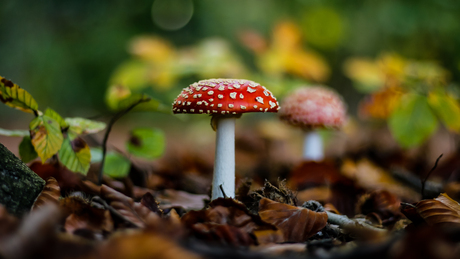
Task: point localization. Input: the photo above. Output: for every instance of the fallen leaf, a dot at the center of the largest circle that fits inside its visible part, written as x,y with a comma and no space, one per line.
82,214
50,194
371,177
382,202
228,221
135,212
439,211
142,245
170,198
297,224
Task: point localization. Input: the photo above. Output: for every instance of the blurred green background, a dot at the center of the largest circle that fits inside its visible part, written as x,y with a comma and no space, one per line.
68,53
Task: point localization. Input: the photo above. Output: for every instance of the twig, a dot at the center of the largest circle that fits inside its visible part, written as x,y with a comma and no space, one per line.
222,190
109,128
432,189
113,211
428,175
350,224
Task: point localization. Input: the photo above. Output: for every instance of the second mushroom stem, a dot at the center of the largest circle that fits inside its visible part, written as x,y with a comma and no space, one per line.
313,146
224,164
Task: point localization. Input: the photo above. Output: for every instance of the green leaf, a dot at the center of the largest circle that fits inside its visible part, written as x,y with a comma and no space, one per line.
116,165
447,108
96,155
16,97
75,155
413,121
14,133
84,126
146,143
51,113
46,136
26,150
133,74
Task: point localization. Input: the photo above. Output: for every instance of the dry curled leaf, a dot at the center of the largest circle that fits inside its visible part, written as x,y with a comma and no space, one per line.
439,211
50,194
228,221
382,202
82,215
297,224
134,212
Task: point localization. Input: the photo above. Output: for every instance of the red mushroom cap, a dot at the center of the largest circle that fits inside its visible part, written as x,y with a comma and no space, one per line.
314,107
225,96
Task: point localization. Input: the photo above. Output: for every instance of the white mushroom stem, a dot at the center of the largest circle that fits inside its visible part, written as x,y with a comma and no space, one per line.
313,146
224,164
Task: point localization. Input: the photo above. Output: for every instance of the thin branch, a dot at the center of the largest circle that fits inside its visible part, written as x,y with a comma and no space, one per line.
428,175
113,211
352,225
109,128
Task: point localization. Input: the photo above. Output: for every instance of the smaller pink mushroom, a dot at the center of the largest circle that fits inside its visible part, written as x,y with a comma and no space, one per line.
312,108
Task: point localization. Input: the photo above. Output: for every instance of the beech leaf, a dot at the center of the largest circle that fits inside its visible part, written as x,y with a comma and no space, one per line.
297,224
26,150
84,126
75,154
135,212
46,136
50,194
51,113
16,97
413,121
447,109
439,211
147,143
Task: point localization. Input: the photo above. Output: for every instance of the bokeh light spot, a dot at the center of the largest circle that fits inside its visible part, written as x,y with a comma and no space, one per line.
172,14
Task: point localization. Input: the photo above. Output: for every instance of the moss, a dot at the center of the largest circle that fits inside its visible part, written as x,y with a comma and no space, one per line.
19,186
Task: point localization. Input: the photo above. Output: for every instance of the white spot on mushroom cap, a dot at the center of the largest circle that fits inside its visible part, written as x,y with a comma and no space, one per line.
233,95
220,96
241,96
260,99
219,105
211,92
230,105
251,90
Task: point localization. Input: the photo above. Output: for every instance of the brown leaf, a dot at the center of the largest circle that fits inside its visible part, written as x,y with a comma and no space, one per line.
224,234
135,212
84,215
297,224
371,177
142,245
50,194
383,203
172,198
229,221
440,211
149,201
68,181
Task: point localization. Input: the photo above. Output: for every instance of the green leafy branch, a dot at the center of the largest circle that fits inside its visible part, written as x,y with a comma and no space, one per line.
49,134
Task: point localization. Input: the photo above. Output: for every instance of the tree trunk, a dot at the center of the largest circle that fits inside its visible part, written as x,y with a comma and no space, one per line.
19,186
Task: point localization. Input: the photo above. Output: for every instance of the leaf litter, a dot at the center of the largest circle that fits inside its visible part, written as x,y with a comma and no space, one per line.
75,218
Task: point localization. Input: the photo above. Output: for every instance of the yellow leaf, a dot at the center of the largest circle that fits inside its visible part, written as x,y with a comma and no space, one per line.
46,136
447,108
16,97
381,104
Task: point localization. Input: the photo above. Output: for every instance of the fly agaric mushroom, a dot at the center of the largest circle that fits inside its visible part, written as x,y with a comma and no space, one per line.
312,108
225,100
